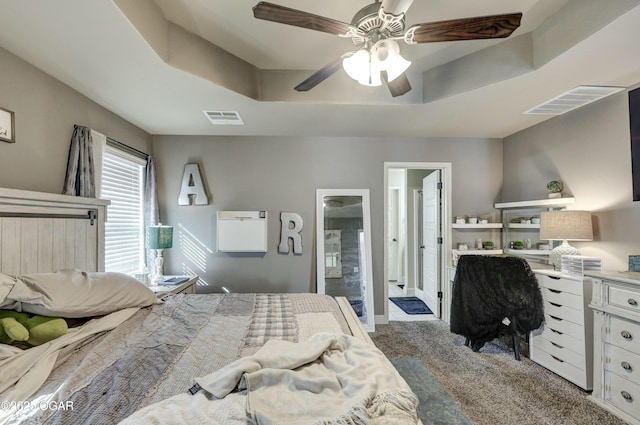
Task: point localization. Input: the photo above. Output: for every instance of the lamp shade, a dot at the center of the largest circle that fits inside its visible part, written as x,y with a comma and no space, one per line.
158,237
387,53
362,67
566,225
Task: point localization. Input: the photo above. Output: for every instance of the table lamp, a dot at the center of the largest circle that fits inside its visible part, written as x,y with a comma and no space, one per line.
158,237
565,225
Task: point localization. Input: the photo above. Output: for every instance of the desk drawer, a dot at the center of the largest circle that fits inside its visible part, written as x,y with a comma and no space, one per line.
623,394
562,340
561,349
564,326
560,367
557,296
564,312
560,284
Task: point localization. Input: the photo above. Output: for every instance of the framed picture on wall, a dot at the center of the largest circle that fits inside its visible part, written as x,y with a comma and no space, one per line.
7,132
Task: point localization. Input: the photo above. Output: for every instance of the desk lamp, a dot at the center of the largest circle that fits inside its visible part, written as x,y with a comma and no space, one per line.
565,225
158,237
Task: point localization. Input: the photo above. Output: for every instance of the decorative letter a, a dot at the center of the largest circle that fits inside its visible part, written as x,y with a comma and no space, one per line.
192,187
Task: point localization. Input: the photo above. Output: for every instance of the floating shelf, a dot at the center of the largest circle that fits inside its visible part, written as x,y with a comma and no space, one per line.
476,252
477,226
523,226
549,202
541,252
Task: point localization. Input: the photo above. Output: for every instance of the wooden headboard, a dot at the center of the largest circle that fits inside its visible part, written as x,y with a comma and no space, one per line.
46,232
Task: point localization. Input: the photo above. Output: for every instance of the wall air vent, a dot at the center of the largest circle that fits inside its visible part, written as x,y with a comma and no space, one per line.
573,99
224,117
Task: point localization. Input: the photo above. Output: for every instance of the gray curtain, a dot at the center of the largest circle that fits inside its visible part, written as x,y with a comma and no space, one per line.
80,178
151,213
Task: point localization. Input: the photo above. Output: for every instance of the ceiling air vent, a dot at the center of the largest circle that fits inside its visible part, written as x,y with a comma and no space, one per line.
575,98
224,117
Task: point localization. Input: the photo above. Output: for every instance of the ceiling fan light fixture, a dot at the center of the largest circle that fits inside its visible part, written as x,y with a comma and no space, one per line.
365,66
361,66
387,53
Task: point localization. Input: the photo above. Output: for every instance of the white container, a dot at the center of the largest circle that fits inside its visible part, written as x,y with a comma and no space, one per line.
473,220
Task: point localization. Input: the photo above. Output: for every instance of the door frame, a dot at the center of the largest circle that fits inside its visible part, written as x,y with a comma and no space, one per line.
446,178
417,257
398,230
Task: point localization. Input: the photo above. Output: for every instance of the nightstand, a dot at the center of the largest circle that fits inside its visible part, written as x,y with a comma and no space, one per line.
188,287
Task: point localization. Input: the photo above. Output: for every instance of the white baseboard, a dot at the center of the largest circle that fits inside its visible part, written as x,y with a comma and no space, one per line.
380,320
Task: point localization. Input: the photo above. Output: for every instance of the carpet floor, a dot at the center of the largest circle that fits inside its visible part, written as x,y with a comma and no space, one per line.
491,387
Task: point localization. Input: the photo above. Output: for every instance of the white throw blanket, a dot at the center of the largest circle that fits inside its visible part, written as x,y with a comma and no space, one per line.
329,379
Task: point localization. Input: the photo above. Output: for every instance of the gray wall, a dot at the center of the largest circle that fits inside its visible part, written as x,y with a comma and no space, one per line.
282,174
45,112
589,150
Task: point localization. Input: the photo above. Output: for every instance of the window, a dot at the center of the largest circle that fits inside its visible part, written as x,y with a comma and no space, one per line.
123,185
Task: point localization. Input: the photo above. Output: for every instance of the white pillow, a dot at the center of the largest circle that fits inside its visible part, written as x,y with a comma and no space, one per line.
6,285
74,293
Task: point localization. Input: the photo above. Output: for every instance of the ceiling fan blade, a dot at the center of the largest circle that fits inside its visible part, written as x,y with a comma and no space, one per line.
321,75
481,27
284,15
396,7
399,86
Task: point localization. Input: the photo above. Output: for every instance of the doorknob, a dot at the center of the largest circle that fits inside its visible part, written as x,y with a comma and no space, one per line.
395,240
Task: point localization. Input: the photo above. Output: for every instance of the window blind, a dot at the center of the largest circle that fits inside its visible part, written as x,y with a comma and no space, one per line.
123,185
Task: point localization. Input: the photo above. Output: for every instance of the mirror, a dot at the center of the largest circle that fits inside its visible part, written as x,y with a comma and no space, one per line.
343,232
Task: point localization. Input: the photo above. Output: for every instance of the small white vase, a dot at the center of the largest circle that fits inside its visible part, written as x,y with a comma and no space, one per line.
555,195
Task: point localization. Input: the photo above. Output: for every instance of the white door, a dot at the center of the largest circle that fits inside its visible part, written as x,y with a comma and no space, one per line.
430,234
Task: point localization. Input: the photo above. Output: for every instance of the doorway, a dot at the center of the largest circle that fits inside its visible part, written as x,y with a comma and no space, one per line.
417,235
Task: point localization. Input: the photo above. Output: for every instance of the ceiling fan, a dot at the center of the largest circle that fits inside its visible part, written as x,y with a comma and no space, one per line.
374,31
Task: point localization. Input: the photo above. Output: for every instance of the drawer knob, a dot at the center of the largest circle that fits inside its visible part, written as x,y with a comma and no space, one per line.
626,366
632,302
626,335
626,396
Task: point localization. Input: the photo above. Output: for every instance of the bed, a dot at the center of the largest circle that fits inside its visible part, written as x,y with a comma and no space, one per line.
217,358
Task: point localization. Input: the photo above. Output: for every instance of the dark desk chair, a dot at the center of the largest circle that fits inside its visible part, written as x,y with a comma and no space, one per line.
492,297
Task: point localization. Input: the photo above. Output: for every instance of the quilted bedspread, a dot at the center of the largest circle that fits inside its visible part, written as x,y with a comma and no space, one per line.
158,352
